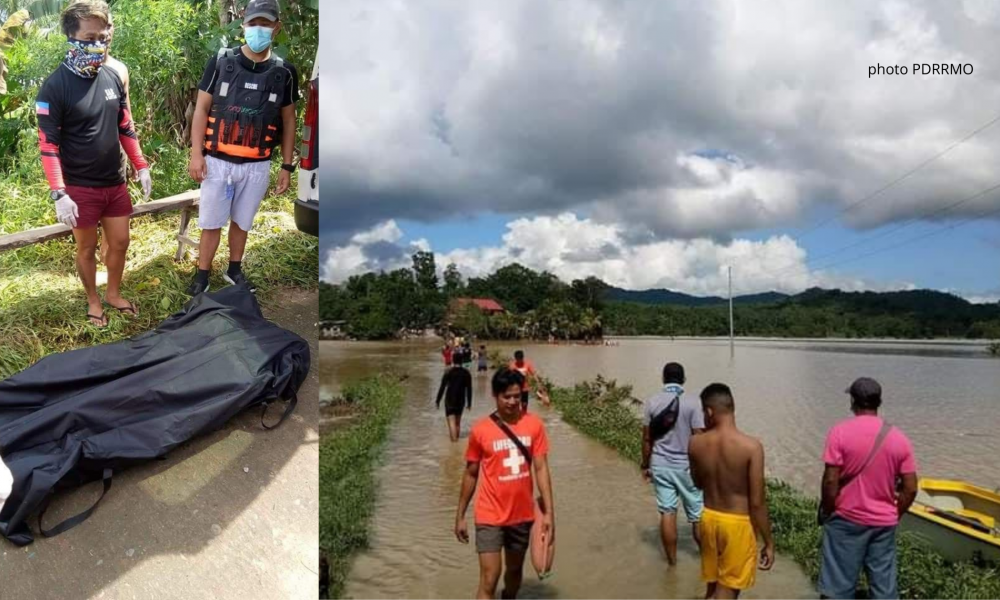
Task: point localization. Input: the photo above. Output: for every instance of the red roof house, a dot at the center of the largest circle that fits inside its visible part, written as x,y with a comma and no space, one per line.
487,305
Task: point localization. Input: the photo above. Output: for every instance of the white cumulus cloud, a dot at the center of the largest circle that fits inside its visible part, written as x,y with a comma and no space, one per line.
572,247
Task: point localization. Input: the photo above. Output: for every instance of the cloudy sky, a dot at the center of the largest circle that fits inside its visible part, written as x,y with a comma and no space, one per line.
653,144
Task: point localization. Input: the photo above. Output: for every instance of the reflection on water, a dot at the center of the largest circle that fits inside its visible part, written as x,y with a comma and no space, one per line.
929,348
787,393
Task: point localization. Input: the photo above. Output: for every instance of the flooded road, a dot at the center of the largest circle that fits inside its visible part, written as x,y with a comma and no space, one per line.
787,393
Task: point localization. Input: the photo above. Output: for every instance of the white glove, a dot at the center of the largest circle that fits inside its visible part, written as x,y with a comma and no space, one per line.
147,183
66,211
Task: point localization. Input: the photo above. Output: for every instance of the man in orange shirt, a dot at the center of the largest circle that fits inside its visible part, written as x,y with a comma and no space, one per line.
505,506
527,370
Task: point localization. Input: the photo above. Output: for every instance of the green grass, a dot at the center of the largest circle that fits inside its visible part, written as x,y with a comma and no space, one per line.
347,462
42,303
600,409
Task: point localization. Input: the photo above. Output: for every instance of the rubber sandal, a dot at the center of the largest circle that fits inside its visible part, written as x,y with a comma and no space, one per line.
130,308
103,318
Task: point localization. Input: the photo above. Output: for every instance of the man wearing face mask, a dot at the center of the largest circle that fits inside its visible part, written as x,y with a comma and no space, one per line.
83,124
245,109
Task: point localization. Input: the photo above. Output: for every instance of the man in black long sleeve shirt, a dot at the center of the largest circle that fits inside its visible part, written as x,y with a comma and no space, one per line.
457,382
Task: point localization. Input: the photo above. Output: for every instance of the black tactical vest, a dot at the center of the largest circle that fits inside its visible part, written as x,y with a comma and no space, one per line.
245,119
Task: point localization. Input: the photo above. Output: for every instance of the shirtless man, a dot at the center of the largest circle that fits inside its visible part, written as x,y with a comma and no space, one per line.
729,466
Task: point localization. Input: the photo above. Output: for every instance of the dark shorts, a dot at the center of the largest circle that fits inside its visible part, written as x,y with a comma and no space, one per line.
456,410
514,538
482,368
95,203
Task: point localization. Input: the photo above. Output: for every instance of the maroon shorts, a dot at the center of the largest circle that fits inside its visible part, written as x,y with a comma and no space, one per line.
95,203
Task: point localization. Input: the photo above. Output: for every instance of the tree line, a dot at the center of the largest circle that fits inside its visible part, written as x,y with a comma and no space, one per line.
539,305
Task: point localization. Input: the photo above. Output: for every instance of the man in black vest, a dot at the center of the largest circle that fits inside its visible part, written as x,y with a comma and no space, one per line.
245,109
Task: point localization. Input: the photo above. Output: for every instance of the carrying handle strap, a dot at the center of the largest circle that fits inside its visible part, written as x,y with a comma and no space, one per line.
288,410
517,442
882,434
72,522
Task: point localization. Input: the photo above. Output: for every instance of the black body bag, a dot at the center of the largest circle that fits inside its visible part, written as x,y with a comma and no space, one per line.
79,416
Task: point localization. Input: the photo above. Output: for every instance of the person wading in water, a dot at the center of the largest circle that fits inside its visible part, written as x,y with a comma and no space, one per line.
528,373
668,424
505,505
456,387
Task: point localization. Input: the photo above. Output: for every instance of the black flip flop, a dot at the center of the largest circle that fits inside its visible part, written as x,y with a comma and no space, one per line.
130,308
102,317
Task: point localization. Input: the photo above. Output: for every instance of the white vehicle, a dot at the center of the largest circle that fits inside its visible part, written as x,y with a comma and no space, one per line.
307,204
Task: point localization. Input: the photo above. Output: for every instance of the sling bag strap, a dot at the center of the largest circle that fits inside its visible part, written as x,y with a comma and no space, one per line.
656,428
882,434
72,522
517,442
821,516
288,410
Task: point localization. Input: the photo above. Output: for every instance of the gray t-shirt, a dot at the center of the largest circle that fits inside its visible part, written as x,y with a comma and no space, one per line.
671,450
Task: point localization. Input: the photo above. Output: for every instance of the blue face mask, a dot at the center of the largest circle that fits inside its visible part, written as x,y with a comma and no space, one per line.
258,38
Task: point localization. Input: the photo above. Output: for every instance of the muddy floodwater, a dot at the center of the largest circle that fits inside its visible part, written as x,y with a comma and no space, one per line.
945,396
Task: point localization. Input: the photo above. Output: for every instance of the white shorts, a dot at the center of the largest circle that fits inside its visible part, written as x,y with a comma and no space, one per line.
249,180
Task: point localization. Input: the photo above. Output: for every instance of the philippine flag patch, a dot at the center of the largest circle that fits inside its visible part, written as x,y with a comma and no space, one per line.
42,108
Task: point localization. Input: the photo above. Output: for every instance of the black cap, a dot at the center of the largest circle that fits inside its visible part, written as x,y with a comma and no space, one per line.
261,8
864,388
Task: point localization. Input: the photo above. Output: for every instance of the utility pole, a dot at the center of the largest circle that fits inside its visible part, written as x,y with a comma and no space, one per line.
732,346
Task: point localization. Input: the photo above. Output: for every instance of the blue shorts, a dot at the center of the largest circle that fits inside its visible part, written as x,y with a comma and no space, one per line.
846,548
673,484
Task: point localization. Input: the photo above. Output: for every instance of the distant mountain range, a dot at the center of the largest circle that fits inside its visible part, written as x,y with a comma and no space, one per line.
661,296
910,300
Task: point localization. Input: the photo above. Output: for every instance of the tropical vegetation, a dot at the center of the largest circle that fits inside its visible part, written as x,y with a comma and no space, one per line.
347,462
539,305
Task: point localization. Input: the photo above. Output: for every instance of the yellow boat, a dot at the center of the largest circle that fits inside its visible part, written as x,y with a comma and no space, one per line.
958,519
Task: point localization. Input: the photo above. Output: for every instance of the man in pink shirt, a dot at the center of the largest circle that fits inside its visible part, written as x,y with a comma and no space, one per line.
865,458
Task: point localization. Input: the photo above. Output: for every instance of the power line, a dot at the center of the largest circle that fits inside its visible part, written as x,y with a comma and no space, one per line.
903,225
850,207
918,237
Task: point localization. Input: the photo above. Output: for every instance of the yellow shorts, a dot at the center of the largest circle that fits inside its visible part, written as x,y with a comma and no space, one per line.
728,549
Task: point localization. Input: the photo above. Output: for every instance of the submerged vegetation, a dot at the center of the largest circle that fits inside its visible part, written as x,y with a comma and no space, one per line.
347,462
538,306
603,410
